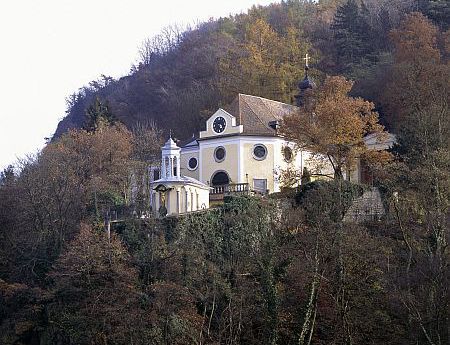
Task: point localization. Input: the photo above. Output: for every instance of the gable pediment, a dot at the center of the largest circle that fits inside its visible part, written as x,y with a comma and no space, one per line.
221,119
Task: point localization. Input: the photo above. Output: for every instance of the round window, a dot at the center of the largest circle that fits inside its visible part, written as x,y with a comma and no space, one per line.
288,154
192,164
219,154
259,152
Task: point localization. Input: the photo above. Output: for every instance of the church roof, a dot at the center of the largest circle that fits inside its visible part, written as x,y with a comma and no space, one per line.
256,113
191,142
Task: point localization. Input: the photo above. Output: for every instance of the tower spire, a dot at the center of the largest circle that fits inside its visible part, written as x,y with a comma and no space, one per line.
305,84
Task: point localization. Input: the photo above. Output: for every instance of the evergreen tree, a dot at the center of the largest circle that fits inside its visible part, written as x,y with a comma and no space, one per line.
97,115
7,175
351,33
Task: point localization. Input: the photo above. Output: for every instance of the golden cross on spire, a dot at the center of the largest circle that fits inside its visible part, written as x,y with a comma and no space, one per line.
306,58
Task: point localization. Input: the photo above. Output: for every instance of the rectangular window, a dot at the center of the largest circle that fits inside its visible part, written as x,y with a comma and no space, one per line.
260,185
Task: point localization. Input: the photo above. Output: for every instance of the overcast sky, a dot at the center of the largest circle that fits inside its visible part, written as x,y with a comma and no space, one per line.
51,48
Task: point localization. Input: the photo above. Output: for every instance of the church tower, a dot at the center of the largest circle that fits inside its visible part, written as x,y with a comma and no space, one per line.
170,162
304,85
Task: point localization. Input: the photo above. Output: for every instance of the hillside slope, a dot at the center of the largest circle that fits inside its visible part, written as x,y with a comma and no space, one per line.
183,76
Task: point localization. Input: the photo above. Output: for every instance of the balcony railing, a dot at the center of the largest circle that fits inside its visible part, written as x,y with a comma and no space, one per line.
218,192
231,188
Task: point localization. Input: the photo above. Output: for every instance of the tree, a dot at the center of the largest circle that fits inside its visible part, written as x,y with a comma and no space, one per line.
146,150
419,181
264,63
333,124
419,77
94,287
351,33
22,313
334,286
7,176
98,115
76,177
436,10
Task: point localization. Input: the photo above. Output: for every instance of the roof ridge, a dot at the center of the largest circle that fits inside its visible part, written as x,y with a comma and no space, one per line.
267,99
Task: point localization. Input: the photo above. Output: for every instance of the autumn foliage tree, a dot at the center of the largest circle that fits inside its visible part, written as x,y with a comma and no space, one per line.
95,295
333,124
265,63
75,178
419,76
419,179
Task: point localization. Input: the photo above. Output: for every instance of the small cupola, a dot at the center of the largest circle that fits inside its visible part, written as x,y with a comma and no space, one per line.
170,160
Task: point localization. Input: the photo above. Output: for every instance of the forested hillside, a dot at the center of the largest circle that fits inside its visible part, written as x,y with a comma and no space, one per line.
286,269
184,75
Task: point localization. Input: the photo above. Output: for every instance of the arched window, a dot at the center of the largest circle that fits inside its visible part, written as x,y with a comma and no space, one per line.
167,166
220,178
288,154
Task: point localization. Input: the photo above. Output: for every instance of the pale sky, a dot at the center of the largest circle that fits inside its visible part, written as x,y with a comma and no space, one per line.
51,48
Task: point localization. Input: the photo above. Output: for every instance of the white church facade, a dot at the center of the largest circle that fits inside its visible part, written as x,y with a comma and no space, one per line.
241,146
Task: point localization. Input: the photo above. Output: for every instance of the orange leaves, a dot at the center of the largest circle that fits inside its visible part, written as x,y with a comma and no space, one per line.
419,76
416,40
333,123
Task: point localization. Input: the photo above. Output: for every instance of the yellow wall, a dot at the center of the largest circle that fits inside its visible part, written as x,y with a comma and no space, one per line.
229,164
184,160
259,169
240,161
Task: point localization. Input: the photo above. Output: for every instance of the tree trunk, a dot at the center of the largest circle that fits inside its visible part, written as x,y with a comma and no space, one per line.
311,309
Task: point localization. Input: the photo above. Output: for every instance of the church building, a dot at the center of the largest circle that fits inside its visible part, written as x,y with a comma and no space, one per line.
240,151
241,147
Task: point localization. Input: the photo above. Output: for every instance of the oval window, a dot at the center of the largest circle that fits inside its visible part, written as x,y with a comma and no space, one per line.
192,164
259,152
219,154
288,154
